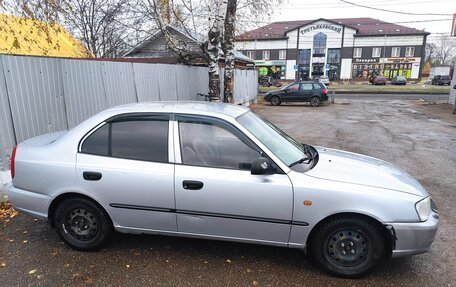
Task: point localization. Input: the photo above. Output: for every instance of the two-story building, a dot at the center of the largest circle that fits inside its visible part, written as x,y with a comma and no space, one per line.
351,48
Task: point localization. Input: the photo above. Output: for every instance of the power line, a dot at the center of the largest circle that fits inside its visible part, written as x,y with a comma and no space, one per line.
397,12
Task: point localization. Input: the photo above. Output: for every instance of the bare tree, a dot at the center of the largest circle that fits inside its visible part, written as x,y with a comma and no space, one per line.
98,24
224,19
445,49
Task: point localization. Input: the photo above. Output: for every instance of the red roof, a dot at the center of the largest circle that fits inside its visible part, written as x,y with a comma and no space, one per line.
364,27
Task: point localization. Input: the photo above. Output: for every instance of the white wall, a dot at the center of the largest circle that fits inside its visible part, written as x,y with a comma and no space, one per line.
290,72
345,69
389,41
260,45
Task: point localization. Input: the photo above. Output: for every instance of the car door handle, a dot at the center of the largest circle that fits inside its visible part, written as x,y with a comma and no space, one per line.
91,175
192,184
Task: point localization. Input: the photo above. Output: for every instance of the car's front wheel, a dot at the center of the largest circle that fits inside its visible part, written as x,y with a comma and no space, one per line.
315,101
347,246
82,224
275,101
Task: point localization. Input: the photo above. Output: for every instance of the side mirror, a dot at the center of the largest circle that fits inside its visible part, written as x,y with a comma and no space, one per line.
454,87
287,90
262,165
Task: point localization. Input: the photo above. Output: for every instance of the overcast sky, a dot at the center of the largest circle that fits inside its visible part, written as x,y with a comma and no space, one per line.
314,9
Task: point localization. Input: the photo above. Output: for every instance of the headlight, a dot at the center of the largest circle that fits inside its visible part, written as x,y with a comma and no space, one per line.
423,208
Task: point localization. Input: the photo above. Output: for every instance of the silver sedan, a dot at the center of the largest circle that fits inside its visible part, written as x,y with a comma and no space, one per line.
218,171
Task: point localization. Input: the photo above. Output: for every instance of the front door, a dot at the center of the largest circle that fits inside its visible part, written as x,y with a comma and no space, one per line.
306,92
292,93
217,196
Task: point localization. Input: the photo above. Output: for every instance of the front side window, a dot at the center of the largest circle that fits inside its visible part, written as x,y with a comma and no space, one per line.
279,143
376,52
293,87
409,51
395,51
357,52
266,55
130,138
209,144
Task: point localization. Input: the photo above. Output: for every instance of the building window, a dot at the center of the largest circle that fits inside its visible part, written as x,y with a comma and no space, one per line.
409,51
319,43
376,52
304,57
250,54
396,52
266,55
333,56
282,54
357,52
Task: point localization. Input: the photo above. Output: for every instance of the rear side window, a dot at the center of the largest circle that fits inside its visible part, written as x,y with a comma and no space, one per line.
141,140
317,86
97,143
135,139
306,87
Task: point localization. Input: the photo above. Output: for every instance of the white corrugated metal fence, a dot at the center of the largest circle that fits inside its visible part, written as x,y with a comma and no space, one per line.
40,95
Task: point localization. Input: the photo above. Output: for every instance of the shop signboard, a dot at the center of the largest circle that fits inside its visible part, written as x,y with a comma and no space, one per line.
318,59
367,61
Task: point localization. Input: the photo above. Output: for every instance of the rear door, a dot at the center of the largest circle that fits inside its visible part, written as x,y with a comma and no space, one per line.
306,92
127,165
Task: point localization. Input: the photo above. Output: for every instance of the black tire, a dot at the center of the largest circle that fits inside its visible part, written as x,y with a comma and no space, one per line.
315,101
82,224
275,101
347,247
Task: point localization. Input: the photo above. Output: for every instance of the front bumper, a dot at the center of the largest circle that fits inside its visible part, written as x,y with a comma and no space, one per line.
415,238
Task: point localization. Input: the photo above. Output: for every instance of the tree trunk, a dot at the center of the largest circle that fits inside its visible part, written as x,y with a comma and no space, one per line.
213,51
228,49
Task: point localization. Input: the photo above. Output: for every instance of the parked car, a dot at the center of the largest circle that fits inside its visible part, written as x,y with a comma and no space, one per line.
306,91
324,80
399,80
441,80
377,80
266,81
219,171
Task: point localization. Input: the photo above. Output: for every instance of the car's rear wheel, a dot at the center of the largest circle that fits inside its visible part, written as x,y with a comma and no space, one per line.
347,246
275,101
315,101
82,224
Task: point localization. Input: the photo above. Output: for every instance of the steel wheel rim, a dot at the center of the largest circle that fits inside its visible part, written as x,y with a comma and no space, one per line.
82,224
347,248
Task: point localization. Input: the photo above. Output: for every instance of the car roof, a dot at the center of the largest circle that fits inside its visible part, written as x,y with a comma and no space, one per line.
186,107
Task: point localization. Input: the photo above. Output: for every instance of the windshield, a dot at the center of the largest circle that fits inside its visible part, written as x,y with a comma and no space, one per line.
287,149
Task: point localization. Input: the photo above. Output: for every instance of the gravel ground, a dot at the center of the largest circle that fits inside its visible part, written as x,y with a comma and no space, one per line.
419,138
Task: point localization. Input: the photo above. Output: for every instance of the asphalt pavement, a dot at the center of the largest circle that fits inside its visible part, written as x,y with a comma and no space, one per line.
419,138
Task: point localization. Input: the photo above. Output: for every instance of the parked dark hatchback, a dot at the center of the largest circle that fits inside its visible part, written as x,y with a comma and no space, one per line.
313,92
441,80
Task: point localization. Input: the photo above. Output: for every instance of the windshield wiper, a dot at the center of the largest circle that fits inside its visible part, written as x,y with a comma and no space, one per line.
308,157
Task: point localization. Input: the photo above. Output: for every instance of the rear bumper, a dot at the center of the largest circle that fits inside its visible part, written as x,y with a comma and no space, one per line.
415,238
31,203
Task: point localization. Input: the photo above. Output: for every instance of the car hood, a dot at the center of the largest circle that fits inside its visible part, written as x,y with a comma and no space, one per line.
359,169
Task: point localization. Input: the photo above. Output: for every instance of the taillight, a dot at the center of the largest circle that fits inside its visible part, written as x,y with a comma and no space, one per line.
325,92
13,157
